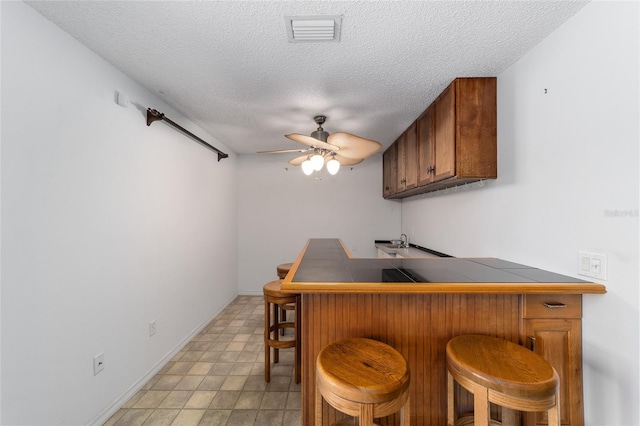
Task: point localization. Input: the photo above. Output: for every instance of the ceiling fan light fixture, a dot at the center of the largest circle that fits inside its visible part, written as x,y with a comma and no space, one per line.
333,166
307,167
317,161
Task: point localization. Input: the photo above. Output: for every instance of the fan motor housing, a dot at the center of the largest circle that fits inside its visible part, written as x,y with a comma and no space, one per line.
320,134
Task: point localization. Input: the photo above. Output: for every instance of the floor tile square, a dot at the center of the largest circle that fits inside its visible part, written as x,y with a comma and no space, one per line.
212,382
188,418
200,399
274,401
191,356
242,417
176,399
249,400
224,400
200,368
221,368
270,417
161,417
189,383
234,383
151,399
134,417
215,418
180,368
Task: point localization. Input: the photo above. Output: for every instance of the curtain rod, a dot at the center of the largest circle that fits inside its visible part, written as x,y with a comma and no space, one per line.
154,115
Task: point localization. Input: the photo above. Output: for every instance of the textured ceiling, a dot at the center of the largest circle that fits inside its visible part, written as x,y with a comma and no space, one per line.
227,65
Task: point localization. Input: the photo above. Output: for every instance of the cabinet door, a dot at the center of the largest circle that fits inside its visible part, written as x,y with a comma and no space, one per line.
401,147
426,144
559,341
409,140
389,171
445,135
476,128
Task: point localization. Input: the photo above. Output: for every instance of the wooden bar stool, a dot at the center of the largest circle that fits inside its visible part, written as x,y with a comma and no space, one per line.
364,378
504,373
282,270
274,298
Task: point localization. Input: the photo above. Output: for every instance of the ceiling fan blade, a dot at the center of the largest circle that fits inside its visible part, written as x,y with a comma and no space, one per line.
298,160
353,146
313,142
278,151
345,161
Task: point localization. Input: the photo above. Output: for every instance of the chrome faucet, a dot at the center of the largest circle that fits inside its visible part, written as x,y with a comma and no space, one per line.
405,240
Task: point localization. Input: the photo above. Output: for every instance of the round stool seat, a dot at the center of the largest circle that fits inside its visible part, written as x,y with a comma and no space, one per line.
283,270
502,366
272,289
501,372
363,377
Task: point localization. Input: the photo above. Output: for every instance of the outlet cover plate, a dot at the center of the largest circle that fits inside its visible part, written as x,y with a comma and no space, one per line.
98,363
593,265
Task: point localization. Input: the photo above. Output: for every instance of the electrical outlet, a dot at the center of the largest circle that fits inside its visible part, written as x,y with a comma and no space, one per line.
98,363
592,265
152,328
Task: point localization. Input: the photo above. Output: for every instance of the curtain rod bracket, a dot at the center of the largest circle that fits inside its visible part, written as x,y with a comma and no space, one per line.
155,115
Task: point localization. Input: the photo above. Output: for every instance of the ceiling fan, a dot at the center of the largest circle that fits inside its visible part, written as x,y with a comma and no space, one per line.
337,149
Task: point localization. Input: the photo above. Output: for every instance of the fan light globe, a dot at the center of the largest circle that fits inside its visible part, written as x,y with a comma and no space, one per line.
333,166
307,167
318,161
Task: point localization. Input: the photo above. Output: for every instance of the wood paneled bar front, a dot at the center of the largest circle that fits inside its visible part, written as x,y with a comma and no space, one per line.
418,305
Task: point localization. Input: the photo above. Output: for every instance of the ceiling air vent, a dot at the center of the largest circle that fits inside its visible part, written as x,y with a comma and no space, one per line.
304,29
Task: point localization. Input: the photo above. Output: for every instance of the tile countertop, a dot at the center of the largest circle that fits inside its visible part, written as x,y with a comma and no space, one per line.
326,266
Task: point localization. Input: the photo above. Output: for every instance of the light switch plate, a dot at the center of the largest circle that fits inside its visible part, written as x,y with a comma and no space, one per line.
592,265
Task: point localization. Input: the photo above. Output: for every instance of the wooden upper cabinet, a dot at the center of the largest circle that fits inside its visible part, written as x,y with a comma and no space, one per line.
407,177
455,140
390,171
400,162
410,140
445,134
476,128
426,145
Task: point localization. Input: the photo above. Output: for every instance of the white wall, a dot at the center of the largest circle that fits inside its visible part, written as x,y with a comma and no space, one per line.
106,225
279,210
565,159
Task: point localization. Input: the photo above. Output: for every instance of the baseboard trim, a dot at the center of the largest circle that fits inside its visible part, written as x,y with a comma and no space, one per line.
122,399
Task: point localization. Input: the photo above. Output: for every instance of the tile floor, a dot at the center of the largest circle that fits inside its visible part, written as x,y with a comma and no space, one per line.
218,379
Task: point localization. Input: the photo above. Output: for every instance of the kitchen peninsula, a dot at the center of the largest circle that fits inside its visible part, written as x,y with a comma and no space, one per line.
417,305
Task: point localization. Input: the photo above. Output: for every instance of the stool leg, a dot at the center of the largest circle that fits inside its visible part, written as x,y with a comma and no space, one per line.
480,406
405,414
267,348
283,316
553,414
276,327
451,408
318,407
298,336
366,415
508,417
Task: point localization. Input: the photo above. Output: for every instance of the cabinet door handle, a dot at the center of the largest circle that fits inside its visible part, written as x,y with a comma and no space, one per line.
532,339
554,305
403,181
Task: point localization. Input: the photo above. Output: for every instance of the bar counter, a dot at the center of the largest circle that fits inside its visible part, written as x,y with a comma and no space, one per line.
417,305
